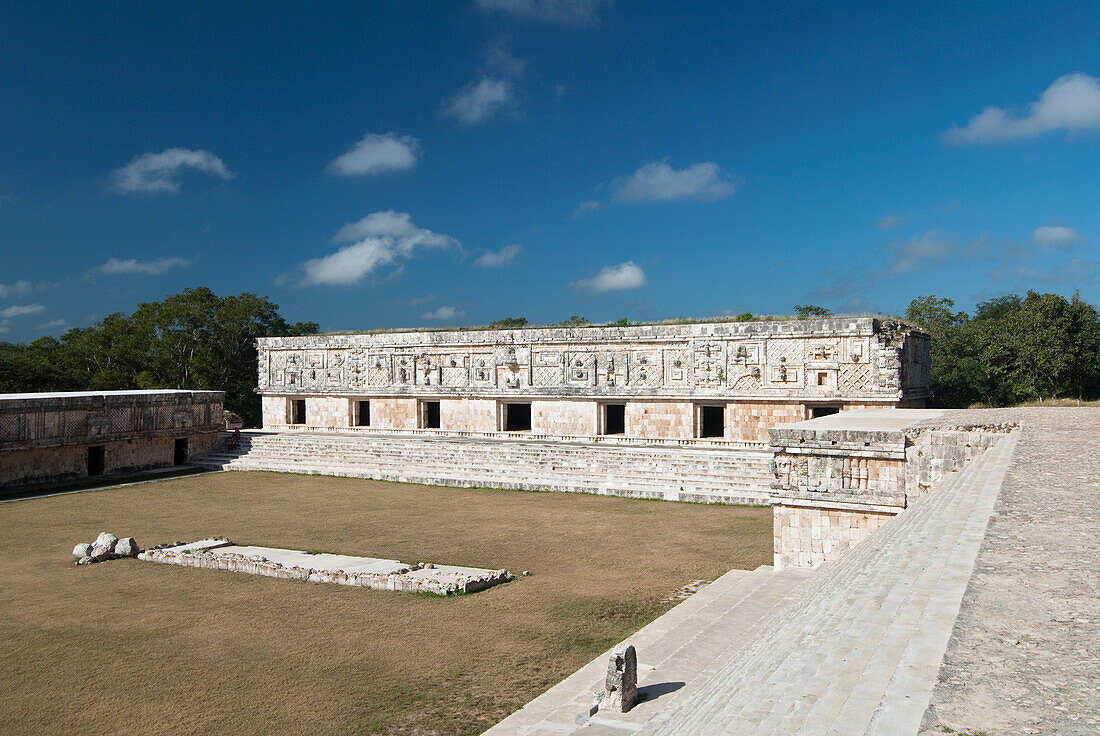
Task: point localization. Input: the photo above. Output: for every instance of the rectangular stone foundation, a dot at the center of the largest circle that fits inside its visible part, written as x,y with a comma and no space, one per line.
364,572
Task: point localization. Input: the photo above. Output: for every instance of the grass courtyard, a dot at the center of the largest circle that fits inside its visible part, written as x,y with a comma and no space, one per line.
164,649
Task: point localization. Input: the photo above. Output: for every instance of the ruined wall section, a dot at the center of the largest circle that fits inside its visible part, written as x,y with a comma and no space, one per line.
45,437
51,420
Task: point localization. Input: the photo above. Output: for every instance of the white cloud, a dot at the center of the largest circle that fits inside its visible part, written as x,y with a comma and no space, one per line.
659,182
443,313
1056,237
888,222
934,245
586,207
20,310
622,277
379,239
159,172
501,61
479,101
499,258
1072,102
154,267
1074,271
52,324
563,12
4,329
376,154
19,288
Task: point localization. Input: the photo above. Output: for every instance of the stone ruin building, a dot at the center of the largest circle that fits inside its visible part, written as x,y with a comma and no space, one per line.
71,435
694,383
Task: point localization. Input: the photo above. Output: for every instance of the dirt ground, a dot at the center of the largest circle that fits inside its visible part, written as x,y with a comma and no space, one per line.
145,648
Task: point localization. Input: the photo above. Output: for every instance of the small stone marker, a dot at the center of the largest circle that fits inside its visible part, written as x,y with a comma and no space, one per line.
621,684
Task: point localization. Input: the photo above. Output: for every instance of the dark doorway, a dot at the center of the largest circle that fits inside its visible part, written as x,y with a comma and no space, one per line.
712,421
97,460
614,419
362,414
298,411
823,411
181,451
431,415
517,417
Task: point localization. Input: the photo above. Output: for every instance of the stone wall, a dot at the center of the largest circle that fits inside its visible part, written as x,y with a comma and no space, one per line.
765,373
806,536
667,419
45,437
70,462
564,417
467,415
751,420
842,477
55,419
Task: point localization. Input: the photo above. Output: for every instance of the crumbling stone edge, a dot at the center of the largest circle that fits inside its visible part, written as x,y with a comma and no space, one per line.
259,565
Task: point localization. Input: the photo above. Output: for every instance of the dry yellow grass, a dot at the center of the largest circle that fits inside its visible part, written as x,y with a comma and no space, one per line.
145,648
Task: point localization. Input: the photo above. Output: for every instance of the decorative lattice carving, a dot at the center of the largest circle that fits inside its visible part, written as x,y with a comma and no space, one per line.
646,368
854,377
548,375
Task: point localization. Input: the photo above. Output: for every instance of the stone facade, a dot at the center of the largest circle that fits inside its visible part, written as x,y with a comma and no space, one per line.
58,436
717,382
839,478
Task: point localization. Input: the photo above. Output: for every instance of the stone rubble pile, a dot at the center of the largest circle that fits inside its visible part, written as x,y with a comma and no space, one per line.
105,547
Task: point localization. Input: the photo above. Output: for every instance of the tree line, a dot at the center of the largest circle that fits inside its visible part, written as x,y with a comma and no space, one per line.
192,340
1013,349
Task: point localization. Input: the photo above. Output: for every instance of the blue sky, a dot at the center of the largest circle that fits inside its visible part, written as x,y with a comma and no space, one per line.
436,163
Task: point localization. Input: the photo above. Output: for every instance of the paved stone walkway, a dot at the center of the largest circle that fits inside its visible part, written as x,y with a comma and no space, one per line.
1024,656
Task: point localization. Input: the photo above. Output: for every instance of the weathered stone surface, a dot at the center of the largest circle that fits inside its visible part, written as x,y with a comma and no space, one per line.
106,539
100,552
46,437
763,371
82,550
86,560
126,547
621,683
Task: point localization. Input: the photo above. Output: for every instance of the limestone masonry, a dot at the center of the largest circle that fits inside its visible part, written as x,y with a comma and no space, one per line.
58,436
712,382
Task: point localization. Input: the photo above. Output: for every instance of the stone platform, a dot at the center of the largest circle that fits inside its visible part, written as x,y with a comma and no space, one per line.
975,610
661,471
292,564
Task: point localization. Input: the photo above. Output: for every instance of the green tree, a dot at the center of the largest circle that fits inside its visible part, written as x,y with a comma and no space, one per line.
1014,349
508,323
575,321
806,311
192,340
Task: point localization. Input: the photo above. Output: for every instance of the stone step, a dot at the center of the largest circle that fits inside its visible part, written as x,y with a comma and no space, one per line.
707,475
675,648
832,663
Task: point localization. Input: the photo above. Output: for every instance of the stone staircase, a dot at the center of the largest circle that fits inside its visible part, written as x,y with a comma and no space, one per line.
675,653
859,650
707,475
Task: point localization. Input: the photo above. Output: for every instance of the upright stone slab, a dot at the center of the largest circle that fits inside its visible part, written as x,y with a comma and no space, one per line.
621,683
